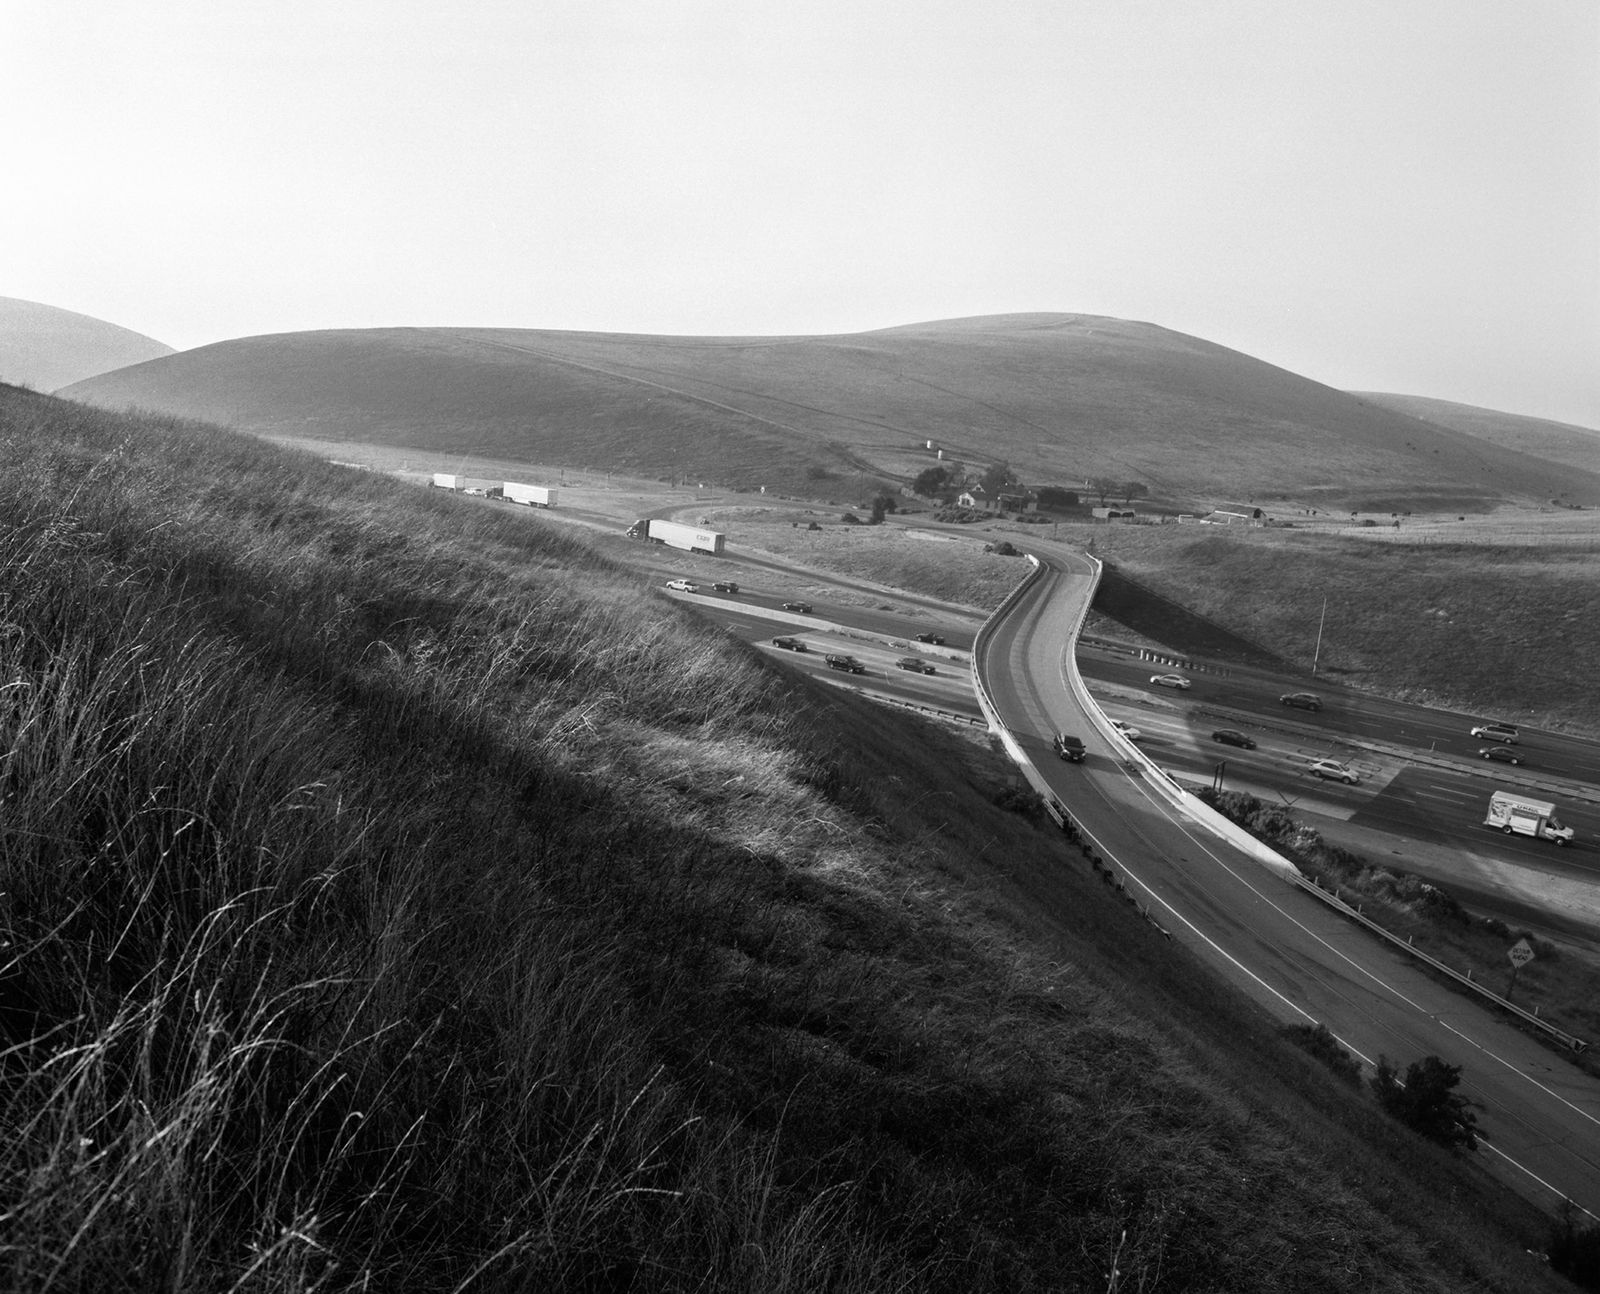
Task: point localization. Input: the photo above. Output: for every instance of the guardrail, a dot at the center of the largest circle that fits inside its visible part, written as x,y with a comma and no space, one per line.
1571,1041
1191,806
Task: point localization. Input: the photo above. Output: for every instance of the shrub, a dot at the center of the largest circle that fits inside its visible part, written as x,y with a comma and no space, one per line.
1427,1102
1317,1041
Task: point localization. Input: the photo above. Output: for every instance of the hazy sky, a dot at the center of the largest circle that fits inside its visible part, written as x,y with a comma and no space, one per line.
1391,195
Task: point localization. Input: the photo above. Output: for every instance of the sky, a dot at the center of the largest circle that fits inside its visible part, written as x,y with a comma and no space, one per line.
1382,195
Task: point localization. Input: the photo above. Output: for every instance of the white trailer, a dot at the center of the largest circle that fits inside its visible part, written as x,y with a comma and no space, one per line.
466,484
691,538
1518,815
535,496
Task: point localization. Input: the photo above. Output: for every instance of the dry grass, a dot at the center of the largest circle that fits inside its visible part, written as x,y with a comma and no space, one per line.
397,897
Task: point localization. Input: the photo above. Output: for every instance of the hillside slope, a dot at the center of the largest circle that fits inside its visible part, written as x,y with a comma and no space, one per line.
45,347
1556,442
1061,397
397,896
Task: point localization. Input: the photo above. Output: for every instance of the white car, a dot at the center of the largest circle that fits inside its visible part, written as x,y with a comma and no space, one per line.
1169,680
683,586
1332,770
1127,730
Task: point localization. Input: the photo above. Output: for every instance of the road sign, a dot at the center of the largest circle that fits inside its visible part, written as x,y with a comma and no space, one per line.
1520,953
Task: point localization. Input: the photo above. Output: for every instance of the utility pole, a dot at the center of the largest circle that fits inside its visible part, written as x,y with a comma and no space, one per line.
1318,654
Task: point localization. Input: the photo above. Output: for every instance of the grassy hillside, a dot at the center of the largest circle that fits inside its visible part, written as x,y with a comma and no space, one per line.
396,896
1556,442
45,347
1061,397
1495,627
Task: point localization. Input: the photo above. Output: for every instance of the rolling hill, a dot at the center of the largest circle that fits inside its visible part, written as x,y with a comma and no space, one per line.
45,347
1060,397
1559,442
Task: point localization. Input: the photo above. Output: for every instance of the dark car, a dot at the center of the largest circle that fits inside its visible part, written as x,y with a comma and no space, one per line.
725,586
1301,700
936,639
789,644
914,663
849,664
1070,747
1504,754
804,607
1233,737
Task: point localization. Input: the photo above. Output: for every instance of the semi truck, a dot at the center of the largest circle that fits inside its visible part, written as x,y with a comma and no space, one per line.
535,496
466,484
1518,815
691,538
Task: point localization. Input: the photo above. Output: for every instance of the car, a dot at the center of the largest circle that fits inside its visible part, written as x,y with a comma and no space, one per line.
683,586
1503,754
1070,747
1233,737
914,663
803,607
789,644
1127,730
1332,770
1301,700
1170,680
936,639
1505,732
725,586
849,664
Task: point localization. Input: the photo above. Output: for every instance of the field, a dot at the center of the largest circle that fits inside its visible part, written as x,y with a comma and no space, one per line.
398,896
1470,621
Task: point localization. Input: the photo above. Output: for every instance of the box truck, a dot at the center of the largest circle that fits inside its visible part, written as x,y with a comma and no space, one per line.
1518,815
447,480
691,538
535,496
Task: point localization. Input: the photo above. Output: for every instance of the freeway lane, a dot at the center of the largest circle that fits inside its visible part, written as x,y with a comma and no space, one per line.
1282,947
1430,806
1351,716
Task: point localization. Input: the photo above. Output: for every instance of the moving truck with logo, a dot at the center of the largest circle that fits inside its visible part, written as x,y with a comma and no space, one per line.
1518,815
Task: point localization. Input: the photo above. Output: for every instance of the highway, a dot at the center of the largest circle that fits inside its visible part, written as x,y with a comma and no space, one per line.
1283,947
1423,792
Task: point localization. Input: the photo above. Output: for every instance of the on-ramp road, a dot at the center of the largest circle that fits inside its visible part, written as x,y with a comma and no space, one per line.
1294,955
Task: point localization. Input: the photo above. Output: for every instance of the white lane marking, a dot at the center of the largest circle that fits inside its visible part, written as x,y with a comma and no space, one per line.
1349,961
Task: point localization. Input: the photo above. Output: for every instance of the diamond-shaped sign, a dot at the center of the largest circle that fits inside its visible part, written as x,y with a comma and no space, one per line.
1520,953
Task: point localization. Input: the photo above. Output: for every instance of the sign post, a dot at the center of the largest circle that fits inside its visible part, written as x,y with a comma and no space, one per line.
1519,955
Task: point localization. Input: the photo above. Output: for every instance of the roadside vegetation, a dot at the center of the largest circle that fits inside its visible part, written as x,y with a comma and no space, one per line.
1564,987
955,569
396,896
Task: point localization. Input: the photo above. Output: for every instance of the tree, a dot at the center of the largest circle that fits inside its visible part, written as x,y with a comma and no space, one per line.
996,477
931,482
881,505
1102,486
1131,490
1427,1101
1053,496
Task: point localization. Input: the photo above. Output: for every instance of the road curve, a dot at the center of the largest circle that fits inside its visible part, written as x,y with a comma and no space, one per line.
1284,948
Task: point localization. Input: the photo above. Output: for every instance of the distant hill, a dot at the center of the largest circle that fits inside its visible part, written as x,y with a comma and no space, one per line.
47,348
1061,397
1560,442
